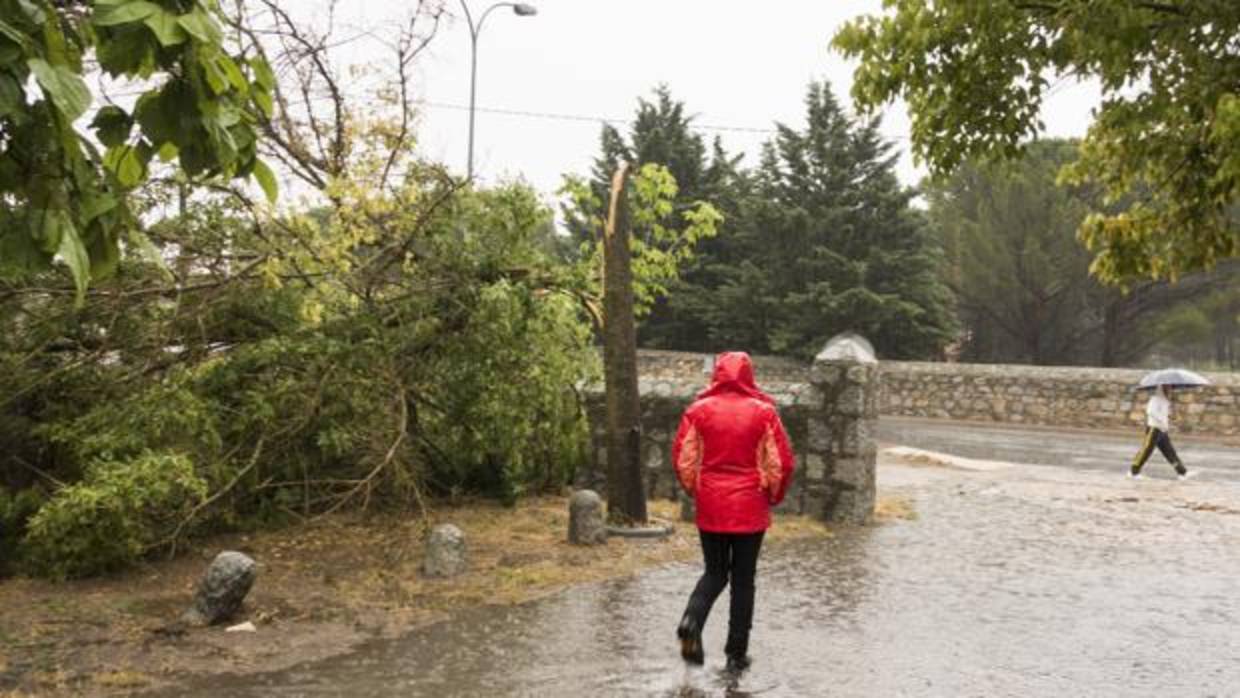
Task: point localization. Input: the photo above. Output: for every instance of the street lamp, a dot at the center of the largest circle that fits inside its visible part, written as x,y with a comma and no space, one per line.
518,8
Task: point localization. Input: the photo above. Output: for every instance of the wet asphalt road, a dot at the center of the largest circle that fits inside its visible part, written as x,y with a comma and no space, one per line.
1016,581
1079,449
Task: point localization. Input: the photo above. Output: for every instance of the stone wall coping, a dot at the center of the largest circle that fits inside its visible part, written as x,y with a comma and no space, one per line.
777,372
1129,376
774,368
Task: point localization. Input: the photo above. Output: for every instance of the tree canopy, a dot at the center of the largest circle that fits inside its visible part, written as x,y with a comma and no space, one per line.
1021,280
819,238
1166,138
64,195
833,244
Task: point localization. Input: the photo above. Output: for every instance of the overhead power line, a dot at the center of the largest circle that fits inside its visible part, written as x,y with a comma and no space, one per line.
583,118
614,121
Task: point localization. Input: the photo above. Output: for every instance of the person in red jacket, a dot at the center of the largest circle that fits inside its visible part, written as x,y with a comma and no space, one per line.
732,456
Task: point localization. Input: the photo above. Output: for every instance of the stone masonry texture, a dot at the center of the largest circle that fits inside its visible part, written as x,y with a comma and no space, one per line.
829,414
1088,398
830,410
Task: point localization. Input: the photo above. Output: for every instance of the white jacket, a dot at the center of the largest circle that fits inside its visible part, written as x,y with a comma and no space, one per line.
1158,412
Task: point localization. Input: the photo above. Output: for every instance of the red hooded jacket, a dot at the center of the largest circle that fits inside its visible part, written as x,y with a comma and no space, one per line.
731,451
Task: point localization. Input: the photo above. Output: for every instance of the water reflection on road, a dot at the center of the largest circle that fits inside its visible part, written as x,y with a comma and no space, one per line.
1069,584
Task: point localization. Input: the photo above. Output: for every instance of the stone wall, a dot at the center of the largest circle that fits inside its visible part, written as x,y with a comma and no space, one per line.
828,411
1090,398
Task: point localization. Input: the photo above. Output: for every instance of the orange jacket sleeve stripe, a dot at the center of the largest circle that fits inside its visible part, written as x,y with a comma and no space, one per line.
689,458
770,465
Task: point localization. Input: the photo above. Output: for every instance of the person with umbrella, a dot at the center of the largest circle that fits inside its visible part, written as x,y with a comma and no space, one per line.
1158,418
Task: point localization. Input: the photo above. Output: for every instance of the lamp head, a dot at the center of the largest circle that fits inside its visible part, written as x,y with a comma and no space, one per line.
524,10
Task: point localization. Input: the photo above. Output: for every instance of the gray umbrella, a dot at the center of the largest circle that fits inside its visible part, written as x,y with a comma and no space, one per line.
1172,378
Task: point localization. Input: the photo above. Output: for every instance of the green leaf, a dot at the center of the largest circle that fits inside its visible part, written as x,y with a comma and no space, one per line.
166,28
228,116
129,53
200,26
267,180
112,125
96,205
33,12
234,74
263,101
216,79
65,87
262,73
101,248
73,253
45,228
14,33
168,152
12,96
126,163
125,13
148,251
10,53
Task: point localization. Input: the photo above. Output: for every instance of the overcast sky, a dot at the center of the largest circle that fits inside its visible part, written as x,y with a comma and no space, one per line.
737,65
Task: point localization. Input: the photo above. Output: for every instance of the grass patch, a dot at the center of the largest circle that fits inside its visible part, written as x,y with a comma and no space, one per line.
894,508
122,679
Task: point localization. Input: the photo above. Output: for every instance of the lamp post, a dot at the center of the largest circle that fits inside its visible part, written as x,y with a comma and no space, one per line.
518,8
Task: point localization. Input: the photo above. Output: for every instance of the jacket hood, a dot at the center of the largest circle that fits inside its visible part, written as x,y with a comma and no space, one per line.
734,374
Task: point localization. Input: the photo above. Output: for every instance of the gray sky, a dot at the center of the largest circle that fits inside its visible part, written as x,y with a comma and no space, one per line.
735,64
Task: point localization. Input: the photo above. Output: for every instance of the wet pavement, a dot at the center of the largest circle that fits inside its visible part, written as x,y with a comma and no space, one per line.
1014,581
1109,451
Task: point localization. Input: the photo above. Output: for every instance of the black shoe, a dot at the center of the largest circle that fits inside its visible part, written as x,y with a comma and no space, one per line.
690,641
738,663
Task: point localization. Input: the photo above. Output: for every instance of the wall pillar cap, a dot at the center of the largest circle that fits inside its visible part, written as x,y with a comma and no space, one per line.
847,347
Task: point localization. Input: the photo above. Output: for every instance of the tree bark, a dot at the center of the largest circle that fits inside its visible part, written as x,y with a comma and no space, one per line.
626,494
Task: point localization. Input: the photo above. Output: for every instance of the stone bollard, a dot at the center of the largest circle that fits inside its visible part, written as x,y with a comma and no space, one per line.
222,589
445,552
839,475
585,519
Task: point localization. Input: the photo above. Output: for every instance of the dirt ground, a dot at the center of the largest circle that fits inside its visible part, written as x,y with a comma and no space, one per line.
322,589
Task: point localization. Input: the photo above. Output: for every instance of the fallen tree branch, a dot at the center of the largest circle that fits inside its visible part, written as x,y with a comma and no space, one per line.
171,540
367,482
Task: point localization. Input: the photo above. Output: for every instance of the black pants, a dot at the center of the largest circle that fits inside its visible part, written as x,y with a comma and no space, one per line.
729,557
1157,437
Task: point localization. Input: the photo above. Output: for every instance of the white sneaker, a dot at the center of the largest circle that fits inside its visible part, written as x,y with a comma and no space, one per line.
1136,476
1185,476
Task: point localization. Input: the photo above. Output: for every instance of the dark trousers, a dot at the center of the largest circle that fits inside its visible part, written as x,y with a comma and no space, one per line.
729,557
1157,437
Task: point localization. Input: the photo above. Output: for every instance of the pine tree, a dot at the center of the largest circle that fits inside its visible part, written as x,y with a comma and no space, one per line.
831,243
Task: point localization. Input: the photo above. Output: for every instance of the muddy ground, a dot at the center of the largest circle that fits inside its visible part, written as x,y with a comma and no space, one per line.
322,590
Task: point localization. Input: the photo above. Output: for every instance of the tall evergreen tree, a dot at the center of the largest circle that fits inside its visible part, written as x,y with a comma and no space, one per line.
828,243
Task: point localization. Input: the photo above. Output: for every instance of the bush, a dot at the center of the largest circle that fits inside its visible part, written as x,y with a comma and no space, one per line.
15,509
119,512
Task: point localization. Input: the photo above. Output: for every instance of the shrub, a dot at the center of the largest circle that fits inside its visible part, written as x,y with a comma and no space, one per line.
120,511
15,509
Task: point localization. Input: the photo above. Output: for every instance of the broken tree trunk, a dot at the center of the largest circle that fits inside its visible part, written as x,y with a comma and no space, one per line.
626,493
